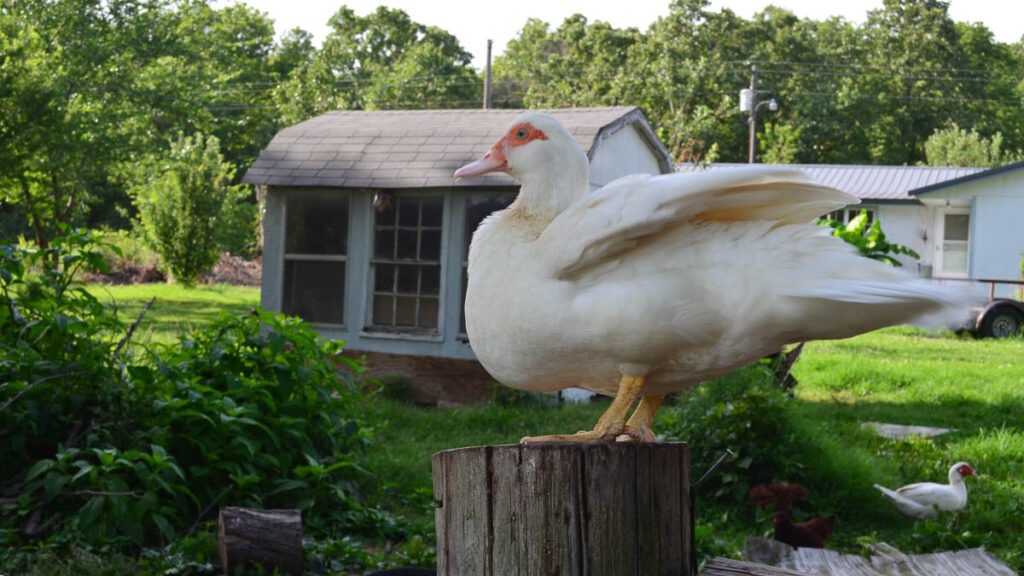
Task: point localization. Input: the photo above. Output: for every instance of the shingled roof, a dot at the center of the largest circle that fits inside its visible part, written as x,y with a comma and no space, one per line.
416,148
874,183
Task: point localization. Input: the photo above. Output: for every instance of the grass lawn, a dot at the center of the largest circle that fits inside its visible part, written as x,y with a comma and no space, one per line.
176,310
898,375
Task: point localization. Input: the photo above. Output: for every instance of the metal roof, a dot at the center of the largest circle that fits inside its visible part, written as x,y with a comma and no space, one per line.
970,178
416,148
873,183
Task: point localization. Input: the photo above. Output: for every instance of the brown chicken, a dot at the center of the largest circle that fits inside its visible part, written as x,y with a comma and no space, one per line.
813,533
780,494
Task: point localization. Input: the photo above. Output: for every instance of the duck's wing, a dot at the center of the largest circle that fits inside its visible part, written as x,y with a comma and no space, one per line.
906,505
635,209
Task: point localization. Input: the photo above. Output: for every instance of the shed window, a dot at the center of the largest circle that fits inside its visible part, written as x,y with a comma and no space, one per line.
406,265
315,255
478,207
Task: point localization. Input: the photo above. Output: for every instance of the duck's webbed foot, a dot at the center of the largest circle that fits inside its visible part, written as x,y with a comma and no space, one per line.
612,423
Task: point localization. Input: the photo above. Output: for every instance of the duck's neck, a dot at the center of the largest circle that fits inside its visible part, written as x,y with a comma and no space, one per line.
545,193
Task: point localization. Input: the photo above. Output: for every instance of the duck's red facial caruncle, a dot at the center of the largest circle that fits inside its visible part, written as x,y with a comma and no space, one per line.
496,159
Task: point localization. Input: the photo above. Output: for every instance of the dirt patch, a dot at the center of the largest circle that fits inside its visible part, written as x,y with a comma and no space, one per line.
229,269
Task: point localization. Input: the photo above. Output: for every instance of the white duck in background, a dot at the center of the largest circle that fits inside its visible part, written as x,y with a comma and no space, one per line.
653,284
924,499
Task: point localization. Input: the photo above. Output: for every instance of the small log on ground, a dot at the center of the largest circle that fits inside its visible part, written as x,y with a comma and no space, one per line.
271,539
596,509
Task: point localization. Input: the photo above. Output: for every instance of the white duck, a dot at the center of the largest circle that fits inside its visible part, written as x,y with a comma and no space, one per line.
923,499
653,284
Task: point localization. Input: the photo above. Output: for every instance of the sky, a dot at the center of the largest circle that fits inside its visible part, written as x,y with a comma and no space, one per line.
475,22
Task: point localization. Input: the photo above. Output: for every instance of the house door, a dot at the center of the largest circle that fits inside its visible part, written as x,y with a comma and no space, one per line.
952,229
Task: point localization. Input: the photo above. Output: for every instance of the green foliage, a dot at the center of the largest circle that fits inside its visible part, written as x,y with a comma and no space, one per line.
90,87
59,370
256,414
869,240
183,201
955,146
744,412
383,60
114,444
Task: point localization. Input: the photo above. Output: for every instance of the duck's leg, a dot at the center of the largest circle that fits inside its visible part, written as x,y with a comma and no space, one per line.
638,428
611,424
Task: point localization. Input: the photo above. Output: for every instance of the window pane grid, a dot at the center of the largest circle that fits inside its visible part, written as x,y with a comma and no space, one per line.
407,265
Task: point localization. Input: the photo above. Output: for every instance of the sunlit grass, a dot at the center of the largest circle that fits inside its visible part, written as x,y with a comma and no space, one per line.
176,310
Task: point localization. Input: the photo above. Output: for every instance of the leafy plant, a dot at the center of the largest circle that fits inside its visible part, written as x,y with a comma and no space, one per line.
59,351
115,445
744,412
869,240
183,202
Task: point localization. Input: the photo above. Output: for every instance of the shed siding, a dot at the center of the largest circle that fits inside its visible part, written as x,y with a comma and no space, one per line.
272,280
623,153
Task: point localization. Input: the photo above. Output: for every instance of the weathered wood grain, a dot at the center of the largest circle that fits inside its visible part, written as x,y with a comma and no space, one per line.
271,539
597,509
884,561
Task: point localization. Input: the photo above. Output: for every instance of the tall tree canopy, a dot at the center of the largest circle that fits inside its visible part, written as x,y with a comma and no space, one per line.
91,88
378,61
868,94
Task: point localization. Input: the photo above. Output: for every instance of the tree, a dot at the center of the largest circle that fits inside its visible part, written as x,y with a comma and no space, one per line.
578,64
181,201
88,87
911,45
955,146
382,60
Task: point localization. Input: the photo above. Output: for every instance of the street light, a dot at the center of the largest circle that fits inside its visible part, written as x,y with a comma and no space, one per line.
749,104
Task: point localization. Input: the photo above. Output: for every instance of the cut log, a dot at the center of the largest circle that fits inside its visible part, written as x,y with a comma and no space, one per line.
596,509
270,539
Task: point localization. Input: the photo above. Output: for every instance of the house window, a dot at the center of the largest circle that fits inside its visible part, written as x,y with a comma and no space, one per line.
406,265
845,215
315,255
478,207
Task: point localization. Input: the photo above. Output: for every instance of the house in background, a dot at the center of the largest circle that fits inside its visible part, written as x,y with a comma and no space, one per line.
965,223
366,234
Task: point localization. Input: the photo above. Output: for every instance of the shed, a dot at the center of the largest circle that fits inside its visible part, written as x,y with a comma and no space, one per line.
366,234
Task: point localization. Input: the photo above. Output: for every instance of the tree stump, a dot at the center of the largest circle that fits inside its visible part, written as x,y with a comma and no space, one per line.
271,539
595,509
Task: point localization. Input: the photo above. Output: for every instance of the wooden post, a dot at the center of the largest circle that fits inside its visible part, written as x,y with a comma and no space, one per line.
595,509
270,538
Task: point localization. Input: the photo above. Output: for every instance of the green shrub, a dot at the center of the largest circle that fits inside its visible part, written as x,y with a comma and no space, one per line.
109,444
744,412
185,203
59,373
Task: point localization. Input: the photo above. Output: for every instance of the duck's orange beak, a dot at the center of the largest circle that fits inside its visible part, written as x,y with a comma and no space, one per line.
493,161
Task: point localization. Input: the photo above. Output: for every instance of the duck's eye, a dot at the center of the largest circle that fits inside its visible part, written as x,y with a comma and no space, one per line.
522,133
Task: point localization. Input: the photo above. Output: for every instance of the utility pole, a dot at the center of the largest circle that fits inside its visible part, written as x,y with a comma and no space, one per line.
749,104
752,121
487,77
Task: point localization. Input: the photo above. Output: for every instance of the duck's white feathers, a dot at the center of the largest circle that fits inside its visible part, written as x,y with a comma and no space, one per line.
923,499
630,210
680,277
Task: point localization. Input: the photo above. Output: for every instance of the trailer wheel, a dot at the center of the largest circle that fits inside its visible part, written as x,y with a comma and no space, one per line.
1001,322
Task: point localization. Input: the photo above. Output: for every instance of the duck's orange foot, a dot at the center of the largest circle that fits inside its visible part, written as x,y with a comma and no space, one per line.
585,436
639,434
